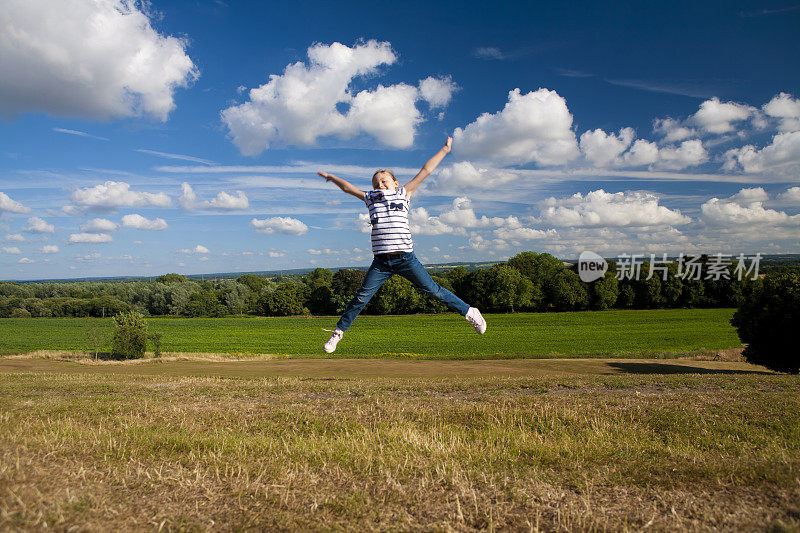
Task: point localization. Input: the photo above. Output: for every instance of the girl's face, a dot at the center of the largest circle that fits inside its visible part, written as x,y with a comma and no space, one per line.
384,181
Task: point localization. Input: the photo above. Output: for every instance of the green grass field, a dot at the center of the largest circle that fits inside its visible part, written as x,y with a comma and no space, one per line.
591,334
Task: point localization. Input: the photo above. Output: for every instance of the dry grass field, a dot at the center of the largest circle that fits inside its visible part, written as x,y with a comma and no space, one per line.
185,444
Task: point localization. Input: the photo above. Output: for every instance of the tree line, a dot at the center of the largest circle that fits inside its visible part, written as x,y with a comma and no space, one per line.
529,281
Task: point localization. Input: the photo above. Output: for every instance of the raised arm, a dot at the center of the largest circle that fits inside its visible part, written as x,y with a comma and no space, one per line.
345,185
432,163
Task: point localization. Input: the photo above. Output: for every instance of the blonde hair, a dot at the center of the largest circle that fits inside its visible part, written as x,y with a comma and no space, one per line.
388,172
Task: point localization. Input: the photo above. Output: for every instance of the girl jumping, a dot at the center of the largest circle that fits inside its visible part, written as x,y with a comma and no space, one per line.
392,246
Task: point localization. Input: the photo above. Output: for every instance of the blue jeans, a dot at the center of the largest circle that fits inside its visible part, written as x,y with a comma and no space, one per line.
407,265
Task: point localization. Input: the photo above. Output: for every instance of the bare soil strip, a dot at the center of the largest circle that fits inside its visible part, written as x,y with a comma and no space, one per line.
381,368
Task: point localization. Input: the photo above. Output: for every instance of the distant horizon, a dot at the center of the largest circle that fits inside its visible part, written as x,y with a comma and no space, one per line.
231,274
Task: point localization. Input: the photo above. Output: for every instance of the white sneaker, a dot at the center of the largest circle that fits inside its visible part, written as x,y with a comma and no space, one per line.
475,318
330,346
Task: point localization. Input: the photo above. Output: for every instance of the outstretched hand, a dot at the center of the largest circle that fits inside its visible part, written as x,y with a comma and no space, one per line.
448,145
325,175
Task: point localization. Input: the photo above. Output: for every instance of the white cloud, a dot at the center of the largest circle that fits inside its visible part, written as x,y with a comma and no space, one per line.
790,196
26,261
464,175
437,91
718,117
94,238
276,254
688,154
140,222
71,210
603,149
96,59
223,201
743,209
532,127
303,104
673,130
523,234
38,225
288,225
15,237
181,157
99,225
325,251
421,223
11,206
488,52
79,134
199,249
599,208
784,150
12,250
641,153
463,216
785,108
113,194
49,249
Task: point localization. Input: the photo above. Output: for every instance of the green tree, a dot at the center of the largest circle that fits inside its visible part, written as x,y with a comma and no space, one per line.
171,278
603,293
767,321
130,335
569,293
344,284
509,290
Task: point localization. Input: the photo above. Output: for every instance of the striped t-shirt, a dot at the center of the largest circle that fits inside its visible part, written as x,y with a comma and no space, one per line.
388,214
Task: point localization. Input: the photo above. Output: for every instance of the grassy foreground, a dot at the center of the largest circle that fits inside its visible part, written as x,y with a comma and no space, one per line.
549,445
664,332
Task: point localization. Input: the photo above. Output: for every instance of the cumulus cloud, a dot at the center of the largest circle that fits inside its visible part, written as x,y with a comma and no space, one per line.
743,209
785,108
288,225
38,225
600,208
532,127
422,223
11,206
94,238
199,249
15,237
314,100
673,130
523,234
784,150
688,154
49,249
112,194
26,261
223,201
603,149
98,59
462,215
139,222
99,225
465,175
718,117
437,91
790,196
12,250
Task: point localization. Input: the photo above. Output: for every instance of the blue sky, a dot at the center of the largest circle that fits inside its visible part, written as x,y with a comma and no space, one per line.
184,136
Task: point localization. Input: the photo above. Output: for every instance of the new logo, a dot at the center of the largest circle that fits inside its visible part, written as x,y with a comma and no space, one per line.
591,266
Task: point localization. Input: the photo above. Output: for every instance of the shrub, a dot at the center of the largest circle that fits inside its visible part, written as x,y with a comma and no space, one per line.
155,338
767,321
130,335
20,312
